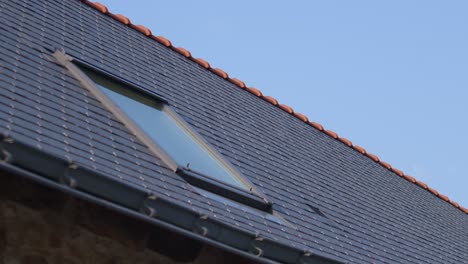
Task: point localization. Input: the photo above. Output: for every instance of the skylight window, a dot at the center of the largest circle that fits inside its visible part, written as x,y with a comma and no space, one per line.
151,119
163,127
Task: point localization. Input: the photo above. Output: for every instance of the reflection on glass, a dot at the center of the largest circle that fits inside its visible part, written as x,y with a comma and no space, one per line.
168,134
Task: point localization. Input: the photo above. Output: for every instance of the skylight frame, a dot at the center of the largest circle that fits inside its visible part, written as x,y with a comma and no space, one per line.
250,197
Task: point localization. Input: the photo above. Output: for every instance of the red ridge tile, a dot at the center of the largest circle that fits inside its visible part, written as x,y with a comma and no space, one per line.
202,63
121,18
443,197
220,73
302,117
270,99
237,82
330,133
98,6
316,125
286,108
409,178
141,29
345,141
360,149
433,191
465,210
254,91
183,51
422,184
455,204
385,164
162,40
372,156
398,172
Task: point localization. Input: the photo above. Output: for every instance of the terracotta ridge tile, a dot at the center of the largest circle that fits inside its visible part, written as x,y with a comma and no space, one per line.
359,149
270,99
202,63
164,41
443,197
183,51
121,18
124,20
237,82
398,172
345,141
286,108
331,133
385,164
409,178
455,204
254,91
421,184
302,117
465,210
98,6
141,29
220,73
372,156
433,191
316,125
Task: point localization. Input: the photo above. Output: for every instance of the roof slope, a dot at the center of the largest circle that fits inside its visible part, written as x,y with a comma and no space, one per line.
344,204
121,18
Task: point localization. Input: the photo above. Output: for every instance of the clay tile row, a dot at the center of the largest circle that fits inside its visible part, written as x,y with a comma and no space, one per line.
121,18
372,156
183,51
345,141
359,149
270,99
409,178
237,82
98,6
254,91
455,204
331,133
398,172
301,117
443,197
316,126
286,108
124,20
162,40
434,192
202,63
220,73
141,29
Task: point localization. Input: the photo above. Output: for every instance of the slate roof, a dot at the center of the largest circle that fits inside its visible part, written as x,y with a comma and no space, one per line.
342,203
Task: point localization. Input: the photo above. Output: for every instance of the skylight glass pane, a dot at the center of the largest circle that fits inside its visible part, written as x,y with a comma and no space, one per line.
170,136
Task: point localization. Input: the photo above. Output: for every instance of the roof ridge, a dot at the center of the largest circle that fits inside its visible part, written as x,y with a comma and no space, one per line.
162,40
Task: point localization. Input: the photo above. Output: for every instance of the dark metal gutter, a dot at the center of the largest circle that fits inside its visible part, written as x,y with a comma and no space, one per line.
28,161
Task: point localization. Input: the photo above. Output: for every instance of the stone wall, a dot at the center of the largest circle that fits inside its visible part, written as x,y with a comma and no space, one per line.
42,226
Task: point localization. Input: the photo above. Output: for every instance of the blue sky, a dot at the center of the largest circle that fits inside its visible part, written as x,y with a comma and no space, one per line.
391,76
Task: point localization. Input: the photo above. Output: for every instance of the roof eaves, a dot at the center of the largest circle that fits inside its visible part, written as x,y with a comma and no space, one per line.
124,20
66,175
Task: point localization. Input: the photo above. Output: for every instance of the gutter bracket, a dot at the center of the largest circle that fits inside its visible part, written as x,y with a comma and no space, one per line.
66,179
255,248
199,227
5,155
145,207
305,258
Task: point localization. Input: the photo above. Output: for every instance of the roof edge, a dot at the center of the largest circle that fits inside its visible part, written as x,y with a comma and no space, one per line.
165,42
65,175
